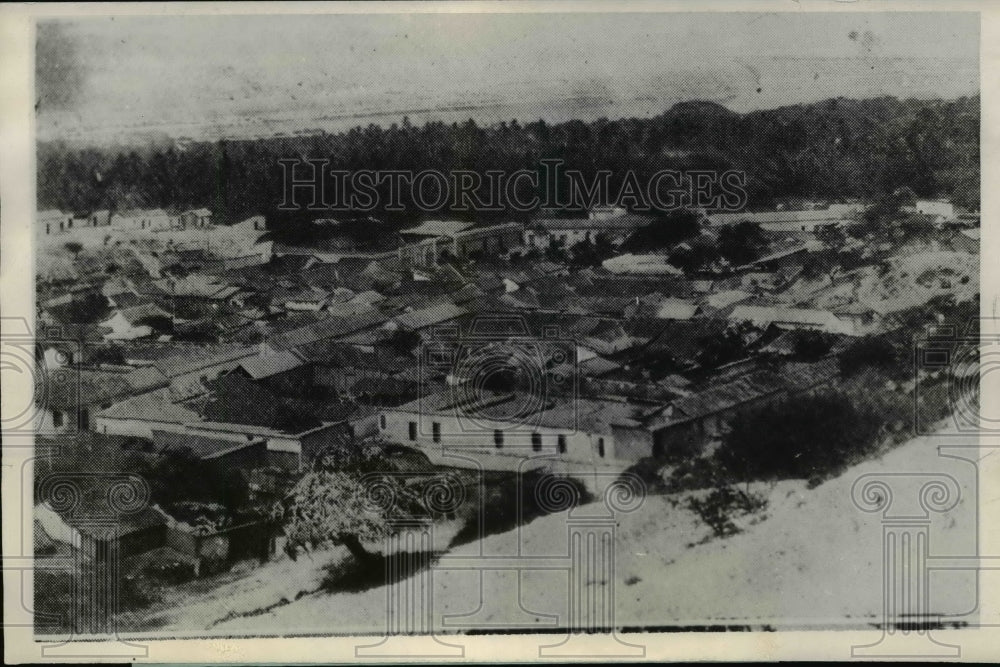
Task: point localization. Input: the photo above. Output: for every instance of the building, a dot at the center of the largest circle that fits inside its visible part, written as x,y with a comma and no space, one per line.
501,431
434,240
790,318
939,210
133,322
53,222
641,264
199,217
789,221
567,232
685,425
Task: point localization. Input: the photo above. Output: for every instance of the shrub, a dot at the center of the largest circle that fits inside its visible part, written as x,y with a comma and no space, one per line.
869,351
800,438
811,345
724,502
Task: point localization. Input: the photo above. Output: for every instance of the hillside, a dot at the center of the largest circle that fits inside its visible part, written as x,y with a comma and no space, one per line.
812,558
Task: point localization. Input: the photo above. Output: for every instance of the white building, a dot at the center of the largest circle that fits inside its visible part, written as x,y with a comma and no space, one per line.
497,432
641,264
938,209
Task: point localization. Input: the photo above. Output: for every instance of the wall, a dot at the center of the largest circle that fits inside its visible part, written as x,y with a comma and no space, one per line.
517,439
140,428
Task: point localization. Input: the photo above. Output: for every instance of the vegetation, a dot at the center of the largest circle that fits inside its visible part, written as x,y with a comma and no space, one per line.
811,345
723,348
741,243
721,504
804,437
665,232
832,149
867,352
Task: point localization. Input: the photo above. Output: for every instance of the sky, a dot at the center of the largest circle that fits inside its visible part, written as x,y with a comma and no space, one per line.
212,76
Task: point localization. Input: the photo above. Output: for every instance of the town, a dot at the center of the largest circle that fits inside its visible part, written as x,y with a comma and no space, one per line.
227,369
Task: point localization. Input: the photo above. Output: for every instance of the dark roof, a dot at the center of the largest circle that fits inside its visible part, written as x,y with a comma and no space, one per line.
681,339
426,317
201,446
194,358
390,386
237,400
68,388
330,327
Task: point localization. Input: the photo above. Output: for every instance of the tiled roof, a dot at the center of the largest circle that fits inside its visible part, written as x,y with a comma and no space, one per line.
201,446
266,365
155,406
425,317
330,327
195,358
438,228
145,311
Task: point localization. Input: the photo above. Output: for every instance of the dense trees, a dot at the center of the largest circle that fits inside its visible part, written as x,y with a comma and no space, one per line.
835,148
807,436
868,352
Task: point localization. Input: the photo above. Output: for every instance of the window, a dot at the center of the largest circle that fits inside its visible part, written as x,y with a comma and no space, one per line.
536,442
57,418
381,422
561,446
436,431
600,447
498,438
83,419
413,430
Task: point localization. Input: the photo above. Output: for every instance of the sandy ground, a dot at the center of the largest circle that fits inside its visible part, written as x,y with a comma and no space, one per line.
812,558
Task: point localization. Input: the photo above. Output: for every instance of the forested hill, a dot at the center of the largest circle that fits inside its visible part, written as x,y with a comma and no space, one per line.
835,148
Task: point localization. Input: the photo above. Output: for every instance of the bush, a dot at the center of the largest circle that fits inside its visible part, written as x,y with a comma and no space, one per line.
718,507
811,345
801,438
869,351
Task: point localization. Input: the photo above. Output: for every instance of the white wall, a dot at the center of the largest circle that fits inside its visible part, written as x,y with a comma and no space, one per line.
457,434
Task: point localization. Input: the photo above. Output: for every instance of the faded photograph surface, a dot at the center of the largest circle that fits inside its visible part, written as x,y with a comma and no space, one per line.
417,326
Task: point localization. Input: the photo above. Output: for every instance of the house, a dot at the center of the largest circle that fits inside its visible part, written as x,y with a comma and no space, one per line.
939,210
151,220
641,264
790,318
243,454
423,318
86,530
433,240
200,288
74,396
233,410
53,222
682,427
283,372
495,430
133,322
332,327
199,217
788,221
667,308
726,298
566,232
202,363
139,416
99,218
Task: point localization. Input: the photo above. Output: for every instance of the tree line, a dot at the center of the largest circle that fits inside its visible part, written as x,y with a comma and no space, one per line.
832,149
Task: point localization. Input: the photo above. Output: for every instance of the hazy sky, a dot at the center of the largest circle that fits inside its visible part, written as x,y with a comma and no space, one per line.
206,76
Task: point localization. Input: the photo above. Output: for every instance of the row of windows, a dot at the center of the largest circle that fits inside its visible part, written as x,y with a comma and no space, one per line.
498,438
